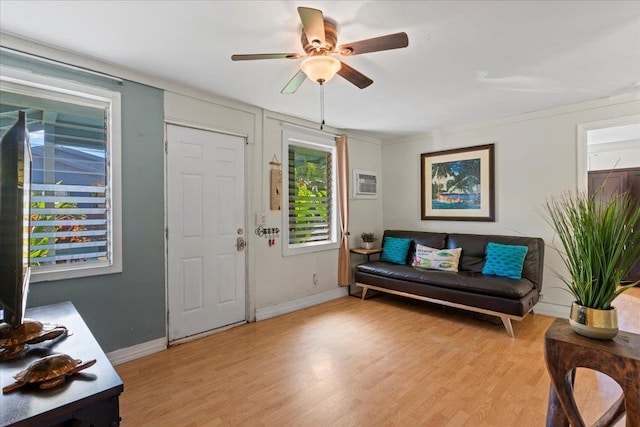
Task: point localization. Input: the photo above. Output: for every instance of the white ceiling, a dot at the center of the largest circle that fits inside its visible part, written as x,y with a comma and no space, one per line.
466,61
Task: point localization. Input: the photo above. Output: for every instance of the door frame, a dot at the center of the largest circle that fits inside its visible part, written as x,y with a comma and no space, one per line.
247,199
582,150
582,130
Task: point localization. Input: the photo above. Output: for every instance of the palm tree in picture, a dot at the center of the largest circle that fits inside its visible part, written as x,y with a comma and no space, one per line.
440,174
459,184
470,172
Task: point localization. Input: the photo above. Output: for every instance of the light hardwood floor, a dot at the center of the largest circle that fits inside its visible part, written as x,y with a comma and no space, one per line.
387,361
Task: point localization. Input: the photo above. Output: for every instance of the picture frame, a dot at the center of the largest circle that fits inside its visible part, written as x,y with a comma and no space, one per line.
459,184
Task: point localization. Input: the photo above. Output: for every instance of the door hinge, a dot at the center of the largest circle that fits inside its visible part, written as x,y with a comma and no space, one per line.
166,233
166,147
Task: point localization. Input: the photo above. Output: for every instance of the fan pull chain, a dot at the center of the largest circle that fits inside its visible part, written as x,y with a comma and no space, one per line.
321,106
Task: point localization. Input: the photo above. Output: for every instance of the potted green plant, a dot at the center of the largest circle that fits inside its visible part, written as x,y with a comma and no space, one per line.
368,239
600,247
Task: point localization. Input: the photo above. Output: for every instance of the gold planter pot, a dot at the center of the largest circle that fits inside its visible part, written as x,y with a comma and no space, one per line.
594,323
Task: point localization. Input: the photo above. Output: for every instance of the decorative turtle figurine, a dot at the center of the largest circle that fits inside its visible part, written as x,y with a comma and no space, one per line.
14,340
49,371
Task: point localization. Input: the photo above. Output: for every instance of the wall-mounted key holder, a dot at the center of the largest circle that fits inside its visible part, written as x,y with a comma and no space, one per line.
271,234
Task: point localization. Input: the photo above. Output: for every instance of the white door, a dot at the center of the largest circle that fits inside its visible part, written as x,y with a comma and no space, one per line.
205,209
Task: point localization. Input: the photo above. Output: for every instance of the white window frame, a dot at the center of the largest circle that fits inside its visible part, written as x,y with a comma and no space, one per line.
316,140
30,84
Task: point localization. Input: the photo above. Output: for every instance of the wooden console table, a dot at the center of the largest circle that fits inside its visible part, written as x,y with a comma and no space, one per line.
618,358
89,398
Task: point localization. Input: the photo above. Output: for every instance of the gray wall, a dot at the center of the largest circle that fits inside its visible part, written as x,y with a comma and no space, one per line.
128,308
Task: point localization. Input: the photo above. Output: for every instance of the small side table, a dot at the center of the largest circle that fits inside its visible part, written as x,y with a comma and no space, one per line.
619,358
367,253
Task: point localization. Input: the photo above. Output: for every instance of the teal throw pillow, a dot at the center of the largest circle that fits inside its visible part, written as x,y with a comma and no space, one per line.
504,260
395,249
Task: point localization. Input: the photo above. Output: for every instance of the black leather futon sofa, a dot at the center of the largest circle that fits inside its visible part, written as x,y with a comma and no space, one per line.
509,299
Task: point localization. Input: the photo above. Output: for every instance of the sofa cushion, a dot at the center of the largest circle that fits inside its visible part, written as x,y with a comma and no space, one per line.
436,259
504,260
474,246
395,250
463,281
426,238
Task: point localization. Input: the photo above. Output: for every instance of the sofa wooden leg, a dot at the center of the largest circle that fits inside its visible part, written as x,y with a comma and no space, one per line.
507,325
364,292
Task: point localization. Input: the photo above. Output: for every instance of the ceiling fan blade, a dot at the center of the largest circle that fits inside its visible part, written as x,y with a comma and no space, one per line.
313,24
390,41
354,76
294,83
266,56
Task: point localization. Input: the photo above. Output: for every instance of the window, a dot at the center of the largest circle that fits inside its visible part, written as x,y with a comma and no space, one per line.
75,143
310,223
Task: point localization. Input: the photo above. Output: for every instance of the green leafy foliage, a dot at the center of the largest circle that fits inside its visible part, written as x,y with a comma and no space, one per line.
307,207
600,246
36,242
311,201
368,237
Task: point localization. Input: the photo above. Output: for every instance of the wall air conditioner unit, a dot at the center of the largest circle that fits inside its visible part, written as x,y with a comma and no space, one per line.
365,184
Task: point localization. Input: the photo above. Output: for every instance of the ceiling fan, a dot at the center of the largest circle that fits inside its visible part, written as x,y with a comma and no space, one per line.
319,40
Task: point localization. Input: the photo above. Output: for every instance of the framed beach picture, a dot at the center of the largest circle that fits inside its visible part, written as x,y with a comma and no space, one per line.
458,185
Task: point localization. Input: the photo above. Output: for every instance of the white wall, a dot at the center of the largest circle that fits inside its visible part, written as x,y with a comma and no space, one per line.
290,278
536,157
366,214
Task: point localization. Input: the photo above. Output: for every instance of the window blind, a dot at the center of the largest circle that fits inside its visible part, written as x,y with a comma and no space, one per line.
70,216
310,195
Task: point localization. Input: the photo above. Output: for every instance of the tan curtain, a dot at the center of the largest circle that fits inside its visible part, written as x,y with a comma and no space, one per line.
344,260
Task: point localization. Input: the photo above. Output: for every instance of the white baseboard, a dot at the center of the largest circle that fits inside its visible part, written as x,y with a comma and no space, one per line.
553,310
300,303
136,351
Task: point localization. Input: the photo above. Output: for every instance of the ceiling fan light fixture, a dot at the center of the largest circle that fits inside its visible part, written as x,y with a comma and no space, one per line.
320,68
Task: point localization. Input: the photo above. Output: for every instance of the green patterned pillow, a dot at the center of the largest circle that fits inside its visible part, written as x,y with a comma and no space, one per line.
395,249
504,260
437,259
